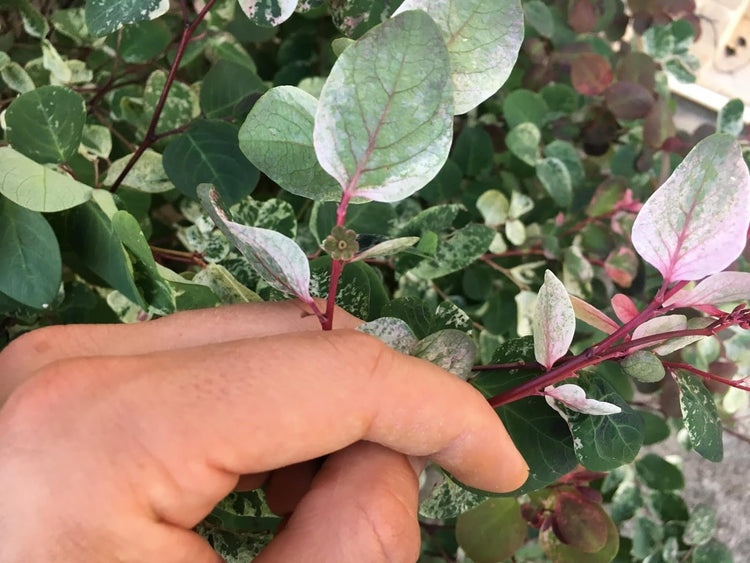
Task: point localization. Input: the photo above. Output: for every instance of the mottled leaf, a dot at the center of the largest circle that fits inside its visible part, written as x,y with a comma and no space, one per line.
483,39
643,365
494,207
700,526
554,321
523,141
696,223
386,134
388,248
700,416
730,118
268,13
554,176
463,247
394,332
724,287
104,16
148,174
450,349
276,258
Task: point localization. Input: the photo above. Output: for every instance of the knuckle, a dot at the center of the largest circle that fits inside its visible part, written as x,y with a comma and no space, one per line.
31,344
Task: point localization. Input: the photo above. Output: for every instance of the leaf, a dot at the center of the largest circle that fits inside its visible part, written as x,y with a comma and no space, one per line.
437,218
276,258
542,438
558,551
590,74
277,137
465,246
714,551
521,106
268,13
473,151
225,86
657,473
730,118
602,443
104,16
96,141
568,154
621,266
624,308
224,285
539,17
718,289
180,107
696,223
16,78
628,100
700,526
523,141
393,332
450,349
360,292
592,316
493,206
643,366
148,174
700,416
444,497
30,256
483,39
46,124
554,321
140,42
579,523
388,248
655,428
574,398
492,531
555,178
208,152
386,134
37,187
355,17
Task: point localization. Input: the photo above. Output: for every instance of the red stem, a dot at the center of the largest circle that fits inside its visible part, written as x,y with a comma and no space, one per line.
706,375
150,137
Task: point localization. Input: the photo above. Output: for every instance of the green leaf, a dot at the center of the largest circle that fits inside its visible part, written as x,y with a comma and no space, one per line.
33,21
554,176
16,78
181,105
413,312
277,137
700,526
643,365
355,17
647,537
437,219
103,16
142,41
657,473
386,134
542,438
730,119
668,505
492,531
275,257
494,206
568,155
626,501
387,248
30,256
155,290
521,106
539,17
450,349
455,253
523,141
696,223
360,292
712,552
554,321
273,214
46,124
208,152
483,39
654,426
473,151
147,175
37,187
89,234
97,141
447,499
268,13
225,86
700,416
604,442
224,285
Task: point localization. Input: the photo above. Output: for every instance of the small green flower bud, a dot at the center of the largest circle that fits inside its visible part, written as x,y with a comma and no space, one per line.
341,244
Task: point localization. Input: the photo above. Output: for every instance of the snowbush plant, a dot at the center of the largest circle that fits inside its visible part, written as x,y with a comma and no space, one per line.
491,185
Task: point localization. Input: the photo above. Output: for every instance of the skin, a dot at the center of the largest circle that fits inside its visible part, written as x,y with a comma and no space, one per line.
116,440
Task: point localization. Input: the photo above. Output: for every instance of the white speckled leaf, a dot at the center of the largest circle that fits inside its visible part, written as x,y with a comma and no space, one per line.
667,323
393,332
696,223
268,13
483,39
384,124
105,16
700,416
388,247
276,258
724,287
37,187
574,397
148,174
277,137
450,349
554,321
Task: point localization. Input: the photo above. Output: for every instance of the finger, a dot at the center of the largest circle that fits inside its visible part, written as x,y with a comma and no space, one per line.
257,405
362,506
251,481
288,485
41,347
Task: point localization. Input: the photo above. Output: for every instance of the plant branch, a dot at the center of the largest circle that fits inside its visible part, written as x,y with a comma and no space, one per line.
150,137
738,384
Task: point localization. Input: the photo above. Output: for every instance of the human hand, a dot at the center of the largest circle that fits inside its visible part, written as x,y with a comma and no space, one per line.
124,437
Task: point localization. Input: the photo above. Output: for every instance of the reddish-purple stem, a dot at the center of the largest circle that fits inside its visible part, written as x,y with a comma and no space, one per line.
739,384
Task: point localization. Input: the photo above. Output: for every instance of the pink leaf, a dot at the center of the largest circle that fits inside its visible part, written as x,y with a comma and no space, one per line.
658,325
724,287
624,307
554,321
696,223
574,397
592,316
